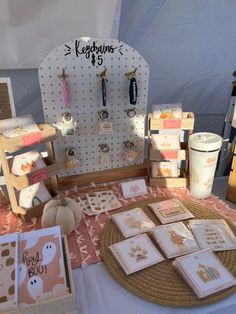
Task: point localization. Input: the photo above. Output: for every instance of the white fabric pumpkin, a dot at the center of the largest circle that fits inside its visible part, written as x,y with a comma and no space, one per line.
62,211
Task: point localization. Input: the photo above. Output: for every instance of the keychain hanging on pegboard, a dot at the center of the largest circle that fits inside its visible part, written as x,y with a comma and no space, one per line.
95,92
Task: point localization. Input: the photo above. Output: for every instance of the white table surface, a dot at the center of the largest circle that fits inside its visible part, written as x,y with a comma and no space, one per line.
98,293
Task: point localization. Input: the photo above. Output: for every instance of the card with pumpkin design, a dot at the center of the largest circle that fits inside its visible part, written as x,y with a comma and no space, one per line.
175,239
41,266
33,195
8,271
14,127
204,272
132,222
214,234
167,111
27,162
170,211
164,168
136,253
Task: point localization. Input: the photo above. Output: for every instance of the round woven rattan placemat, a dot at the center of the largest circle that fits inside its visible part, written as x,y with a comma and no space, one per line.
162,283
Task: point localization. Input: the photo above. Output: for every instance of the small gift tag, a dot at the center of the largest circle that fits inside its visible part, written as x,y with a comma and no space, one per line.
105,128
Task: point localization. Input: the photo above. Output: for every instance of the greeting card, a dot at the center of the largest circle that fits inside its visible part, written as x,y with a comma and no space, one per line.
8,271
41,266
132,222
33,195
214,234
165,141
167,111
133,188
136,253
170,211
27,162
14,127
175,239
164,168
204,272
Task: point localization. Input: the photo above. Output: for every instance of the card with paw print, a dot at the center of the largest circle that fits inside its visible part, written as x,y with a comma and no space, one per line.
41,265
8,271
175,239
204,272
132,222
214,234
170,211
136,253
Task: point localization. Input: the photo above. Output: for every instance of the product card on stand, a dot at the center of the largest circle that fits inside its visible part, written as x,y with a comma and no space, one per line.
133,188
214,234
132,222
175,239
41,268
165,141
170,211
8,271
136,253
167,111
204,272
14,127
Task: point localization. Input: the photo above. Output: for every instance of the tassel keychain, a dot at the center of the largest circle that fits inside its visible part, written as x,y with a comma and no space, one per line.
103,77
133,90
63,78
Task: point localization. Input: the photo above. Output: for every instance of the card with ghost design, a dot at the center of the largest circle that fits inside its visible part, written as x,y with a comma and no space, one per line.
33,195
175,239
8,271
132,222
41,266
136,253
214,234
204,272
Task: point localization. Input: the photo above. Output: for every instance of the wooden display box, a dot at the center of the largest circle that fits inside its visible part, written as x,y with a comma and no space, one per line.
36,211
231,191
170,182
181,154
20,182
47,133
65,304
186,123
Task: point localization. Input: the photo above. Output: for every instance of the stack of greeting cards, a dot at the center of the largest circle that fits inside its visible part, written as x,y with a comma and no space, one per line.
175,239
204,272
14,127
132,222
136,253
32,267
170,210
214,234
98,202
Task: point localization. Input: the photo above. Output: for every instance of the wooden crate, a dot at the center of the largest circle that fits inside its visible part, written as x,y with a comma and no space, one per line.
186,124
47,133
231,191
20,182
65,304
9,145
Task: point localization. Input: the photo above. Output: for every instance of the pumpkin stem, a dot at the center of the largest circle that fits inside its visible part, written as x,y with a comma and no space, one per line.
61,200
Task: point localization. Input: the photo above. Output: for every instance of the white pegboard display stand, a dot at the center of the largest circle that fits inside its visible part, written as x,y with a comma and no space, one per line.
83,60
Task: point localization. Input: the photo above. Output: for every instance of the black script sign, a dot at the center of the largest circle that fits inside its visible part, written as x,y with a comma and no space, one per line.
33,263
94,52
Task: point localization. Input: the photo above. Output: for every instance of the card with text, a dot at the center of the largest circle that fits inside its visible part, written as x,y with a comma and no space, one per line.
170,211
214,234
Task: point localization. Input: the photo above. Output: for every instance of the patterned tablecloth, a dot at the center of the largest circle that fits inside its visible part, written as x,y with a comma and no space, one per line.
84,240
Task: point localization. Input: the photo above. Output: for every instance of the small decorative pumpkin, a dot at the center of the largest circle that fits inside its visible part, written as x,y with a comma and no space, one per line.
62,211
